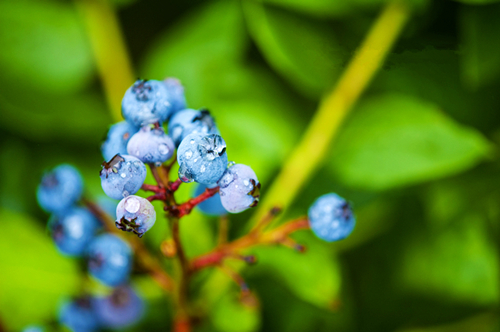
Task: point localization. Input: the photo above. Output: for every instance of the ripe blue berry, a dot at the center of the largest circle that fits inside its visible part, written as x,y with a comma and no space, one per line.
118,136
123,175
175,94
239,188
110,259
151,145
73,230
145,102
331,218
190,121
211,206
60,188
135,214
79,315
119,310
202,158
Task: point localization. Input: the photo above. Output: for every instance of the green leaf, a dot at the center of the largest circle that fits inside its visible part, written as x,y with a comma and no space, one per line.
477,2
44,46
320,8
459,263
313,276
231,315
481,57
304,51
34,275
395,140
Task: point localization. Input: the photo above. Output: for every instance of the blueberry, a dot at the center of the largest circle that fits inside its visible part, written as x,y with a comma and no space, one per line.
60,188
119,310
79,315
73,230
151,145
202,158
331,218
239,188
117,139
110,259
211,206
175,94
190,121
123,175
135,214
145,102
33,328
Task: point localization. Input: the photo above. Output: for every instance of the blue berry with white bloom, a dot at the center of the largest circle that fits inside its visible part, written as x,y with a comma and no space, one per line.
116,142
331,218
121,309
145,102
135,214
239,188
190,121
123,175
151,145
110,259
175,94
211,206
73,230
202,158
79,315
60,188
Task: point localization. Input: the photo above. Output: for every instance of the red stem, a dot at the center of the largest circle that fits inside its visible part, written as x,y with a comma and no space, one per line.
183,209
157,197
175,185
153,188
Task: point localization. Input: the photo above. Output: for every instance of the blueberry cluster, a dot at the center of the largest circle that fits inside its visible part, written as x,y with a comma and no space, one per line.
78,233
148,107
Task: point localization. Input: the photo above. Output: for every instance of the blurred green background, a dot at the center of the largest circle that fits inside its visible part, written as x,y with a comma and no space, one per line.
417,156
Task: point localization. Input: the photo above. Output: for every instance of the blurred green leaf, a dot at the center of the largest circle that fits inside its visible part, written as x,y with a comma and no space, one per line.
313,276
458,262
231,315
478,2
44,46
481,57
304,51
319,8
34,275
395,140
479,323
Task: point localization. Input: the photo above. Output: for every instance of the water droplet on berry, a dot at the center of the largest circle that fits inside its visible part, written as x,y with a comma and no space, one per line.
125,193
188,154
163,148
230,164
202,169
191,141
123,175
132,205
184,174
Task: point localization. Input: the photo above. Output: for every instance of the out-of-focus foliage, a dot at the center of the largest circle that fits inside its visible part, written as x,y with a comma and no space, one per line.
418,156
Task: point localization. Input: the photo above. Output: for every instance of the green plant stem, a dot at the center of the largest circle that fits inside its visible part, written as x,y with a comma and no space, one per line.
315,144
110,53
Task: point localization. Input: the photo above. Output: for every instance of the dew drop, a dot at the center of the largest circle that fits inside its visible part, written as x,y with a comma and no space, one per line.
230,164
191,141
202,169
163,148
132,205
125,193
123,175
188,154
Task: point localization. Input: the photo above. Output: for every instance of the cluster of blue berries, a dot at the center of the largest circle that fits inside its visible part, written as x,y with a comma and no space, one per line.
148,106
78,233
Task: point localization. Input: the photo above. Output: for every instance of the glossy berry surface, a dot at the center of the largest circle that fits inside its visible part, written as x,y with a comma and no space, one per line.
73,230
79,315
239,188
122,308
123,175
175,94
60,188
151,145
211,206
202,158
116,142
190,121
331,218
110,259
145,102
135,214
